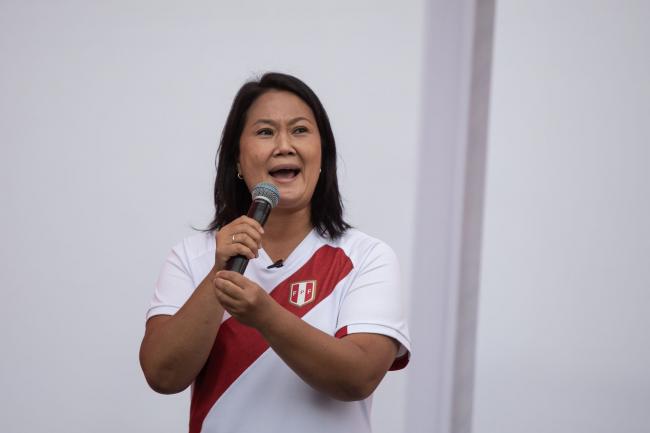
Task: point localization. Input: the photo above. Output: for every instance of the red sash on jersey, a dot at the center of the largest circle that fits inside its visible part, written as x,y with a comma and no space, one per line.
237,346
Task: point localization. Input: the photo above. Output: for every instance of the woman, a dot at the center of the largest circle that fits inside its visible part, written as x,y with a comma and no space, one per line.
324,298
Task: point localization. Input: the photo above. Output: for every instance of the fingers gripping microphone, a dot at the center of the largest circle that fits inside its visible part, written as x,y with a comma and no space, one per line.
265,197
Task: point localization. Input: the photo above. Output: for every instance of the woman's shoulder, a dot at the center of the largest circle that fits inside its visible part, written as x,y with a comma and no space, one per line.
196,245
358,243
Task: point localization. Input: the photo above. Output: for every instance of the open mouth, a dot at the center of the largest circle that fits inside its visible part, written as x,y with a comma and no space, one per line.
284,173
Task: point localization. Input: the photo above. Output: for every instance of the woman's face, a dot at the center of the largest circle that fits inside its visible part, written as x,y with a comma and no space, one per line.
280,144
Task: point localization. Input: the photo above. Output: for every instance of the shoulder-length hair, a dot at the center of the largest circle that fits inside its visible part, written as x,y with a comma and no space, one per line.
231,195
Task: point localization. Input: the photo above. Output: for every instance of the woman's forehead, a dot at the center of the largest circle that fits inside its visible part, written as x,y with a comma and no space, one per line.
279,105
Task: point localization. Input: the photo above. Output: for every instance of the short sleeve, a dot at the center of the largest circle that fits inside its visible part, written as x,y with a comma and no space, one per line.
374,302
173,287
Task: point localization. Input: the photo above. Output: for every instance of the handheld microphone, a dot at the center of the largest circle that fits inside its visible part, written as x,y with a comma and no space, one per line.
265,197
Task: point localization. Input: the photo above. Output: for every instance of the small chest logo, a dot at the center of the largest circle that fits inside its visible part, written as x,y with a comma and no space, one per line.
302,292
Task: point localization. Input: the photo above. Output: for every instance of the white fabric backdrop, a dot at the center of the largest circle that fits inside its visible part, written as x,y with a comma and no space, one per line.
110,113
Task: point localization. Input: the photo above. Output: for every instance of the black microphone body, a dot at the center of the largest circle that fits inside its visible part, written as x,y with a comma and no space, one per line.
260,210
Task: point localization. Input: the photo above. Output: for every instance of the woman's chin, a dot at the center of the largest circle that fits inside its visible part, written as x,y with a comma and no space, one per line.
288,192
292,203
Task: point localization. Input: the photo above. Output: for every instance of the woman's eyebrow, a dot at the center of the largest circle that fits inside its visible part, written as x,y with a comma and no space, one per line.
267,121
274,123
298,119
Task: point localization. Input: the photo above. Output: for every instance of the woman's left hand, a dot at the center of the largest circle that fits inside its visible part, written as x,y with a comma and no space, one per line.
243,299
347,368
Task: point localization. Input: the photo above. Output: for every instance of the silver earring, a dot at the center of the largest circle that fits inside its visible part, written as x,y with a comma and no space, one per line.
239,176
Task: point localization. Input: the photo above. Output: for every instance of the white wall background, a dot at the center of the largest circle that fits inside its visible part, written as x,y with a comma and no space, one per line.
110,113
564,316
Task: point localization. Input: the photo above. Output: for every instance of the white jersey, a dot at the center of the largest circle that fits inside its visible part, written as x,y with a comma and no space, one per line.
341,287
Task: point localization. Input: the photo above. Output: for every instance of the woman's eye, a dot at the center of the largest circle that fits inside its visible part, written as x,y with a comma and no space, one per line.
264,131
299,130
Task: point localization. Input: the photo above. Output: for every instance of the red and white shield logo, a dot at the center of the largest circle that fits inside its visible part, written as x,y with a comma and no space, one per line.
302,293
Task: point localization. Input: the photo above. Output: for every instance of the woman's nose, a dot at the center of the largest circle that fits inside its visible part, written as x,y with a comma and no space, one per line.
283,144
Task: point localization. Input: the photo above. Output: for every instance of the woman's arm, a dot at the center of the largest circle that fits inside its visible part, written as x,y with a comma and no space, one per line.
347,369
175,348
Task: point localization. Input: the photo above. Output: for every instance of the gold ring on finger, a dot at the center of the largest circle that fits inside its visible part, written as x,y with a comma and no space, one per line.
233,238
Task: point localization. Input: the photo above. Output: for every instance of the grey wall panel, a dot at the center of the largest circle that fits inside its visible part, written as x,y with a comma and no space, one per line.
448,224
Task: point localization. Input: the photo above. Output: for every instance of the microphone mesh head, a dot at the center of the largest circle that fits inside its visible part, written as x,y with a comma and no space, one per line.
266,191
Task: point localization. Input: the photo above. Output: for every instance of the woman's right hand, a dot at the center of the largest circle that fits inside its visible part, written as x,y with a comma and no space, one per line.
242,236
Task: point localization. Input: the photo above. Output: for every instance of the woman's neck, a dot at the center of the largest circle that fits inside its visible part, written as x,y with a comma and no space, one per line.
284,230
